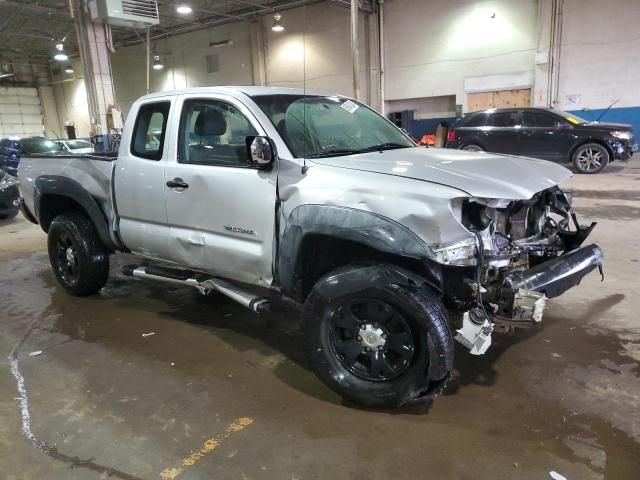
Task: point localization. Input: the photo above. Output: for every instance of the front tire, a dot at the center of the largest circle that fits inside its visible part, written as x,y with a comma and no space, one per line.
591,158
375,338
78,258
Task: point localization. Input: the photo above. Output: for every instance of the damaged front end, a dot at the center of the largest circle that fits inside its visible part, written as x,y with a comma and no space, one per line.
521,253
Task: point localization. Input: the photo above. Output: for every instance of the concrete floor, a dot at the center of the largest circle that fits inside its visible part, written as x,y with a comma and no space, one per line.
218,392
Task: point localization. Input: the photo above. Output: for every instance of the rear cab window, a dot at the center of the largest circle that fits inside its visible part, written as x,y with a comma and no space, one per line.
147,140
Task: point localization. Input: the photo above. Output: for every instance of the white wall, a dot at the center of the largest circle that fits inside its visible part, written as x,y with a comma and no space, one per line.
314,50
71,102
599,54
431,47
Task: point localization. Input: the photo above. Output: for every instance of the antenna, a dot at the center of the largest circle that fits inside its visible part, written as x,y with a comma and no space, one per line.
607,110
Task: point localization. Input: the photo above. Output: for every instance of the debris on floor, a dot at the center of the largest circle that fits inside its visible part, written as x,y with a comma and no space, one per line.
557,476
36,353
148,334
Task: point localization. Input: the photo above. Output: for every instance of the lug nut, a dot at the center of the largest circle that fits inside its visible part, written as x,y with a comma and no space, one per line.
375,325
363,327
384,336
359,338
380,348
367,349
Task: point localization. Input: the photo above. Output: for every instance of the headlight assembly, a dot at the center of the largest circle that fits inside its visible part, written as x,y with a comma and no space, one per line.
622,135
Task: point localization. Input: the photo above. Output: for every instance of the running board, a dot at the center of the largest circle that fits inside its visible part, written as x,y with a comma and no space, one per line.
202,283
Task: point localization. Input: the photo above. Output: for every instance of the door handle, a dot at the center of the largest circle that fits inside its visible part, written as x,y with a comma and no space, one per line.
177,183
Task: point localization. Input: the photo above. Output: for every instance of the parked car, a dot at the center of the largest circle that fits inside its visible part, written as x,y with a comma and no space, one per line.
11,149
9,195
75,146
266,193
545,133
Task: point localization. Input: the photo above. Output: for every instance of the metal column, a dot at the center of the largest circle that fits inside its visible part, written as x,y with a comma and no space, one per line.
355,48
94,46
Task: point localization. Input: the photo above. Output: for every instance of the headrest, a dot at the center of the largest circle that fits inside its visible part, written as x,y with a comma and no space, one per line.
210,122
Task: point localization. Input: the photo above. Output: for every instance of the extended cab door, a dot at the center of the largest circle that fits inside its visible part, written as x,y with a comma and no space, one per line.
220,210
139,178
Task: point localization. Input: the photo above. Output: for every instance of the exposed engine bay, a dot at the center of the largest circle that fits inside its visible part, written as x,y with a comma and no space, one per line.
525,252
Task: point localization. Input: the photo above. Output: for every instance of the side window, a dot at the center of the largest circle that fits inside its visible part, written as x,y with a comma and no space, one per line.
213,132
534,119
475,120
149,130
503,119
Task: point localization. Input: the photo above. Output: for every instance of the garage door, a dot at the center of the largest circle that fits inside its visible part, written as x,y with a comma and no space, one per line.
20,112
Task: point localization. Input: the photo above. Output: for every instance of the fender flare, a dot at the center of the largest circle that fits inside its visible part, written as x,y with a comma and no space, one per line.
66,187
358,226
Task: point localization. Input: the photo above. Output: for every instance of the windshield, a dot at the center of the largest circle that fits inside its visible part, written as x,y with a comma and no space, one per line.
78,144
569,117
320,126
39,145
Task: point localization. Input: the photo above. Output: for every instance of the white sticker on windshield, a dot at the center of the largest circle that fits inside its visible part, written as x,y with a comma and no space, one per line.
350,106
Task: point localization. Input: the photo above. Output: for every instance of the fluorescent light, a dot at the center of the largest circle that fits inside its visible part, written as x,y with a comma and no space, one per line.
68,69
277,24
184,9
157,64
5,75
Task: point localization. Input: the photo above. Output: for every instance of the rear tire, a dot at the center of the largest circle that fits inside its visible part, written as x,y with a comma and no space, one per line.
591,158
78,258
473,148
405,349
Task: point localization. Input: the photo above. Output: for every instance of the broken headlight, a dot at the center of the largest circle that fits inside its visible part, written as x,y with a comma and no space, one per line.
7,181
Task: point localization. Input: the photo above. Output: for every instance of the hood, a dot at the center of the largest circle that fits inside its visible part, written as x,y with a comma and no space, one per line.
478,174
609,125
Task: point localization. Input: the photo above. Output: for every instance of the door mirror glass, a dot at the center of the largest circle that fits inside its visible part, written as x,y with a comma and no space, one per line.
261,152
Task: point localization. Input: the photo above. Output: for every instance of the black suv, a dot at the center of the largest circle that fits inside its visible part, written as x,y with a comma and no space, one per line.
544,133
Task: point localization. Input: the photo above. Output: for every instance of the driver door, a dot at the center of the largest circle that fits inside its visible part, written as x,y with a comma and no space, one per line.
220,210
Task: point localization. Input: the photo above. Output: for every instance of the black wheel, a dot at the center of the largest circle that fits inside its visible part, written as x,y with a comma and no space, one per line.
591,158
78,259
376,339
473,148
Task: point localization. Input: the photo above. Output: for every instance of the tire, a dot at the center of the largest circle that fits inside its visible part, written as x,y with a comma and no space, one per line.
78,258
403,326
591,158
473,148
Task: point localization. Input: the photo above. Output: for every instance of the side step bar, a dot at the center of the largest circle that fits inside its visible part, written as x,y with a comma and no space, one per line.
201,282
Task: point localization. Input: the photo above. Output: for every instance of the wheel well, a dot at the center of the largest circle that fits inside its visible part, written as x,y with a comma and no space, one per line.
593,140
321,254
53,205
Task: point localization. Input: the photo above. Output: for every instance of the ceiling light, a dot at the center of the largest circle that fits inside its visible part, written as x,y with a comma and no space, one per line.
5,75
184,9
157,64
277,24
60,56
68,69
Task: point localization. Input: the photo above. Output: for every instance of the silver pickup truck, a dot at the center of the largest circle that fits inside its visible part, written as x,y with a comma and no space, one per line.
393,251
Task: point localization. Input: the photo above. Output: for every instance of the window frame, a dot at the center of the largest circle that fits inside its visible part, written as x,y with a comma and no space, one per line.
557,120
182,125
163,136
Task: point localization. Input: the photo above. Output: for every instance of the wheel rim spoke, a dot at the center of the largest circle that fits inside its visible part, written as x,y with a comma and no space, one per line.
380,365
349,350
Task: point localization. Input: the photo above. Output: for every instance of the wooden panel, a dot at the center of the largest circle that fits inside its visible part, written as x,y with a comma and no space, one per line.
479,101
500,99
512,98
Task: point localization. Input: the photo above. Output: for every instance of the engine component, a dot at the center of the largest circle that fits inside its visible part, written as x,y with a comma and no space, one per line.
475,333
528,306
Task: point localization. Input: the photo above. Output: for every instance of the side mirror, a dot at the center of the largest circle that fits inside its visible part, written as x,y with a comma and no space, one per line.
261,152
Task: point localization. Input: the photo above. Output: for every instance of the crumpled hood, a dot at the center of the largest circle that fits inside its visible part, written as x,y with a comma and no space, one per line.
479,174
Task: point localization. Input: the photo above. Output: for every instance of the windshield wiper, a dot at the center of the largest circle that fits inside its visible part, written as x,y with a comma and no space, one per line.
335,152
384,146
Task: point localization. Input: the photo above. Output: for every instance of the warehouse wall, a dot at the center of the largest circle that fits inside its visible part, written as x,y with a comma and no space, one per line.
598,69
433,48
71,102
314,50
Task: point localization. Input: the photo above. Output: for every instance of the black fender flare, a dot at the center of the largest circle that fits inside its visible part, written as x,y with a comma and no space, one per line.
358,226
66,187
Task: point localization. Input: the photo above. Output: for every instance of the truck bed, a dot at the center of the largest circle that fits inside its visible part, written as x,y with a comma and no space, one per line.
92,171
